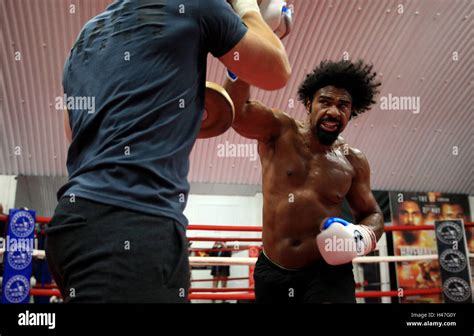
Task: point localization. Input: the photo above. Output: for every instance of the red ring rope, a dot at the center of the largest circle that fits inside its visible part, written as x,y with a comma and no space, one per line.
220,290
228,279
45,220
251,296
227,239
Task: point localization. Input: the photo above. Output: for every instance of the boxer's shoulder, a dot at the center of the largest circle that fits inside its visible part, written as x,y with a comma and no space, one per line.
284,117
355,153
350,152
356,157
255,106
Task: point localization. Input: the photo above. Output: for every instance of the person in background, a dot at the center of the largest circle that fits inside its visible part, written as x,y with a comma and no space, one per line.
220,273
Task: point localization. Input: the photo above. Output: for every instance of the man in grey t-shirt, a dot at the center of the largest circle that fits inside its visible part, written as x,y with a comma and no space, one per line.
118,233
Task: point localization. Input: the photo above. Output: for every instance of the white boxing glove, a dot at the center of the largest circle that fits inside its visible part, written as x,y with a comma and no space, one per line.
278,16
286,23
340,241
242,7
271,11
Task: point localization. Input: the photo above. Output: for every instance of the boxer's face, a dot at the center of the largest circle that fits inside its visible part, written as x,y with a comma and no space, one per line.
329,113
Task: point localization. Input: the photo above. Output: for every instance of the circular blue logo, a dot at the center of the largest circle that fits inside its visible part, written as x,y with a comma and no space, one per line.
17,289
23,224
19,259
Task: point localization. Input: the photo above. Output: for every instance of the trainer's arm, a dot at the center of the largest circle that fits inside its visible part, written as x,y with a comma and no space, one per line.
361,200
261,57
253,119
67,127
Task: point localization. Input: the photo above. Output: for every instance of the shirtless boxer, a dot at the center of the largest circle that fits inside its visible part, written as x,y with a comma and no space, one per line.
308,170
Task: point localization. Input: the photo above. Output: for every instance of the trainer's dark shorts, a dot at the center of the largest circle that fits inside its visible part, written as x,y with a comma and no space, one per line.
318,283
102,253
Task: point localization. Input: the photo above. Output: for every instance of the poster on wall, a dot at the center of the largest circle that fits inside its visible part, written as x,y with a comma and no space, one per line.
415,209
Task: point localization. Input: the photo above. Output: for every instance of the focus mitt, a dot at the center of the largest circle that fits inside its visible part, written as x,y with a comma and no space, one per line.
218,112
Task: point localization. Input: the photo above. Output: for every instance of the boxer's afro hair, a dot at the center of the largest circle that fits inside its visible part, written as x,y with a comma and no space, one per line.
357,78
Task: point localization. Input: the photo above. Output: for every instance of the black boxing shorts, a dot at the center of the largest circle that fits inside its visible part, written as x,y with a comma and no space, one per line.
317,283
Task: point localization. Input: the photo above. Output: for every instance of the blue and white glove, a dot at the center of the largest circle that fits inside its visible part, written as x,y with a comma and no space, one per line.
340,241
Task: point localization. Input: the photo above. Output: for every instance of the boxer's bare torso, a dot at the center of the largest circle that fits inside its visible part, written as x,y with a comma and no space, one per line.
301,186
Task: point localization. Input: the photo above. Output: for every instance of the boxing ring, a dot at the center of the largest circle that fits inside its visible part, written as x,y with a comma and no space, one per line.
247,293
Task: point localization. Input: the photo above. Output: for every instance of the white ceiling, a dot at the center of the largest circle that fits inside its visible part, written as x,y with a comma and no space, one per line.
412,51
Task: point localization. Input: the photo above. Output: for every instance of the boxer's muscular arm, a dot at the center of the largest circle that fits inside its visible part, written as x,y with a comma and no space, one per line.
253,119
361,200
262,60
67,128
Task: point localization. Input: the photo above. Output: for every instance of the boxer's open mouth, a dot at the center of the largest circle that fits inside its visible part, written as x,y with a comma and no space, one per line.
329,126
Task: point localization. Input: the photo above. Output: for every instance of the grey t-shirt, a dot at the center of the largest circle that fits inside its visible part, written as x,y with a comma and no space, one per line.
143,65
